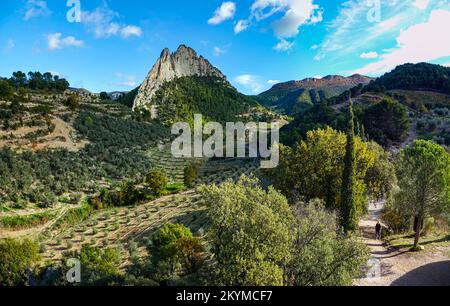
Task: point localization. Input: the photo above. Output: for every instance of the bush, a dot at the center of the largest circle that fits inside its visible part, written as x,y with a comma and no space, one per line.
175,252
322,256
190,175
99,266
15,258
395,221
429,226
156,182
73,102
23,222
6,90
251,233
104,96
386,122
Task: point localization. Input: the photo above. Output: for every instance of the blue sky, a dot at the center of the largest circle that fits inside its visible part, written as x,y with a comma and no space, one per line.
254,42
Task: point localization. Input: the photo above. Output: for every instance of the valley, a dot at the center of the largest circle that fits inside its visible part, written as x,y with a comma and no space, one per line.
90,177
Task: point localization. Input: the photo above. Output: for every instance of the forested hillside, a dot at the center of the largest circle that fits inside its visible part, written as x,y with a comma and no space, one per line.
410,100
213,97
422,76
297,96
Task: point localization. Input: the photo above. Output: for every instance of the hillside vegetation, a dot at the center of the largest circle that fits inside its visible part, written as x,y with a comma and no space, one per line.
217,100
411,100
422,76
297,96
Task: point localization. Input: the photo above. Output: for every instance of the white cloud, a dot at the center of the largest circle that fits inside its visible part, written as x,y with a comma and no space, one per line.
273,82
314,47
36,8
102,23
295,14
130,30
55,42
240,26
419,43
446,65
351,32
126,80
319,56
283,45
421,4
250,82
218,51
10,45
224,12
369,55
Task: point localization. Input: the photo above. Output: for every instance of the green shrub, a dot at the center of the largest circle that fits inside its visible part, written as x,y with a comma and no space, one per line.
156,182
190,175
24,222
15,258
394,220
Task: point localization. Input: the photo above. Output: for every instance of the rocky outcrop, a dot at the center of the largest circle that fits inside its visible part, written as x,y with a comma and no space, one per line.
184,62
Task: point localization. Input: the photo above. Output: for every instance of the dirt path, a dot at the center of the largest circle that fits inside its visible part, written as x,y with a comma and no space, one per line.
390,267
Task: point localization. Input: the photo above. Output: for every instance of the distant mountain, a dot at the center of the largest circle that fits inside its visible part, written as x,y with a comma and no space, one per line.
418,91
128,98
116,95
184,62
295,96
79,90
422,76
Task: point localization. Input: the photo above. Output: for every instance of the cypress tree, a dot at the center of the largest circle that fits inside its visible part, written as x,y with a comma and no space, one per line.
348,197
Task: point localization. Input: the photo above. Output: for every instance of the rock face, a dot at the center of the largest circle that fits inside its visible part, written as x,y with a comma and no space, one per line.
184,62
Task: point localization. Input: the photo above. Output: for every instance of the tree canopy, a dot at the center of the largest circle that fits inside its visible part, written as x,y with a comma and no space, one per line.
413,76
251,233
314,169
423,171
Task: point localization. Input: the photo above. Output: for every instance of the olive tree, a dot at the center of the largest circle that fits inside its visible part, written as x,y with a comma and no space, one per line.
322,255
251,233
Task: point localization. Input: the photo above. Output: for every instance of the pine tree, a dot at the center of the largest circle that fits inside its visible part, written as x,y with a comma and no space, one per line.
348,214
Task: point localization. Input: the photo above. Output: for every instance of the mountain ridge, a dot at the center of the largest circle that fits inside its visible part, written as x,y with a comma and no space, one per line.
296,96
327,80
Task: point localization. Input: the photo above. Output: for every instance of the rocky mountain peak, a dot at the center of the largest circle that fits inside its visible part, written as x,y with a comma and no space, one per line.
183,62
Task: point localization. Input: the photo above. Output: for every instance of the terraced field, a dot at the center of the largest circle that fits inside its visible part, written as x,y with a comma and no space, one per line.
119,227
217,171
173,167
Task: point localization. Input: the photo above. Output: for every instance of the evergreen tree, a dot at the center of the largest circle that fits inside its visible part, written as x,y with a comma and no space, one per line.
423,171
349,206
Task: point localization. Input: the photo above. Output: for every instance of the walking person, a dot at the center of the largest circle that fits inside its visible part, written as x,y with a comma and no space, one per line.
378,231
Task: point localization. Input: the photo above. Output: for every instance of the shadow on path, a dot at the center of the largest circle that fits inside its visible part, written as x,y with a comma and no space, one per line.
435,274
